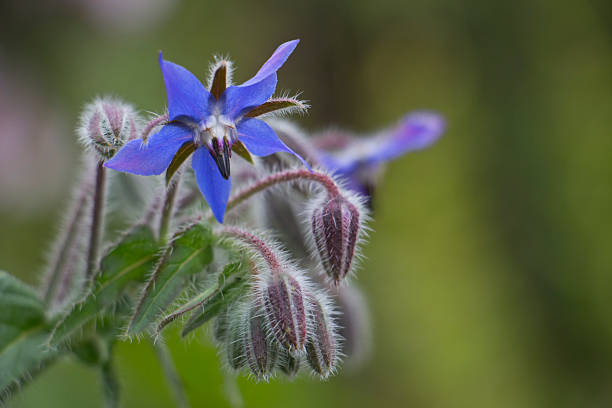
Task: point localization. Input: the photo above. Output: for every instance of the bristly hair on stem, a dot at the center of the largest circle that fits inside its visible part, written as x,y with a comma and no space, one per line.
319,177
97,221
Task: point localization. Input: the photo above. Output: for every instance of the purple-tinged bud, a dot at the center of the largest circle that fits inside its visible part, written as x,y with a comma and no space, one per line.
285,311
261,351
336,226
322,344
106,125
289,364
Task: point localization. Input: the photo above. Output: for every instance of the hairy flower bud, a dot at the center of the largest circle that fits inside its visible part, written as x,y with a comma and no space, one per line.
261,352
322,344
336,228
106,125
284,306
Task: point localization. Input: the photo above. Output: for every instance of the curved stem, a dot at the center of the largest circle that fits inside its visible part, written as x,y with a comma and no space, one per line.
96,219
152,124
256,242
281,177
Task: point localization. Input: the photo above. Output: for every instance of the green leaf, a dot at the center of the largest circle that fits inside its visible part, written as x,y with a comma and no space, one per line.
188,254
23,331
129,261
231,285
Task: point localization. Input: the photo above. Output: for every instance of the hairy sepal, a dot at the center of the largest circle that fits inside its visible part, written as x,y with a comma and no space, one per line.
212,300
188,254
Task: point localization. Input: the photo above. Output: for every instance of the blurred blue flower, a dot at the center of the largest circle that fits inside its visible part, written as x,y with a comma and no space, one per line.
359,161
212,125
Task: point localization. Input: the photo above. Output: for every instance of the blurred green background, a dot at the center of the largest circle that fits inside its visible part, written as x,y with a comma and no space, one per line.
488,275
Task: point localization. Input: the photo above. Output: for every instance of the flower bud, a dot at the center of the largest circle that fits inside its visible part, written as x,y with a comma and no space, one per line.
322,344
285,312
261,352
106,125
336,227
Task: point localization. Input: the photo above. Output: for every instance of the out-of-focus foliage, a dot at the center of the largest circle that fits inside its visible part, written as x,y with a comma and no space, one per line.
492,285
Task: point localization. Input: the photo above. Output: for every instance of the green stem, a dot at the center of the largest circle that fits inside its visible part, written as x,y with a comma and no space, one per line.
172,377
110,385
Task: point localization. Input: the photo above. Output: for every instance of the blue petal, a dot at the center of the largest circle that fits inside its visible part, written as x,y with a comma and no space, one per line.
273,63
213,186
260,139
238,99
187,97
154,156
257,90
416,131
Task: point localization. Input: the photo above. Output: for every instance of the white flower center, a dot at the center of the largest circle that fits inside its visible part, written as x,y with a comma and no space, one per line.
217,127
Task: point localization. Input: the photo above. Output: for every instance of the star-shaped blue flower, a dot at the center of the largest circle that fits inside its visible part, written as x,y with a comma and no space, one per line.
210,124
358,162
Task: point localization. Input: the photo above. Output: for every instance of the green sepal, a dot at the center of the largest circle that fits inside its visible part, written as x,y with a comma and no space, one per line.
232,283
181,155
240,149
188,254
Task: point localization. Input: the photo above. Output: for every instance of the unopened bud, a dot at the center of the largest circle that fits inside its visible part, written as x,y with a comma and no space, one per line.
284,305
289,364
322,344
261,351
106,125
336,227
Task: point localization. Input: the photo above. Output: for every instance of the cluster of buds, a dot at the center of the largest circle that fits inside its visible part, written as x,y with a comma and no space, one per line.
106,125
284,322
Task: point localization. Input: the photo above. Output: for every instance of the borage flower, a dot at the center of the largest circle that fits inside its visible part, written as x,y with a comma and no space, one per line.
210,125
359,160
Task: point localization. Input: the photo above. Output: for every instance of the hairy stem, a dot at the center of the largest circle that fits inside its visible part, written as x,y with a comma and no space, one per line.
255,242
282,177
50,290
172,377
96,220
152,124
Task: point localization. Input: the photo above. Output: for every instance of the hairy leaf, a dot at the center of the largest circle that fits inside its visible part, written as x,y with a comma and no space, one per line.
188,254
231,284
23,331
128,262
